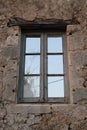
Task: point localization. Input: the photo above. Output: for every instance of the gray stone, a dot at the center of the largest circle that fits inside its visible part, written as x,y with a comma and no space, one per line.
3,112
10,52
30,109
80,95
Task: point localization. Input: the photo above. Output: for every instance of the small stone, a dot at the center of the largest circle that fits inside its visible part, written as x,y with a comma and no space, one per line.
3,113
85,84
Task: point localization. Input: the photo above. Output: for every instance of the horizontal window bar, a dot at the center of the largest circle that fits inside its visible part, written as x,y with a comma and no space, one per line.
32,53
55,53
31,74
55,74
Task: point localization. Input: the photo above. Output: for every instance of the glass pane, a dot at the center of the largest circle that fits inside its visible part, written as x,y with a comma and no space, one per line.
56,86
55,64
55,44
31,86
32,64
32,45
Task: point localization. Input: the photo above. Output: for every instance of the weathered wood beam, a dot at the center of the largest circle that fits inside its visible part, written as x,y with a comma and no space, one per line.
15,21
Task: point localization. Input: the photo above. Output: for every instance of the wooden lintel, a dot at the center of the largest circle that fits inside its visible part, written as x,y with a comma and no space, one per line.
15,21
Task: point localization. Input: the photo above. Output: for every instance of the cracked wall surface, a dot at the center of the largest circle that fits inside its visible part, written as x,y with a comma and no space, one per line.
72,116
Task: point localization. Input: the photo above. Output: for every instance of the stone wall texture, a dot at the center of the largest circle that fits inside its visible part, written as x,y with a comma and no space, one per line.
72,116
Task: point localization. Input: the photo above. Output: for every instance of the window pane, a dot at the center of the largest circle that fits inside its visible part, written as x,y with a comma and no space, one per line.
55,44
31,86
56,86
32,64
55,64
32,45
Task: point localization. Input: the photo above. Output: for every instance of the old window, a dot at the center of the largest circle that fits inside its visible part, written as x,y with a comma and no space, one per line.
43,75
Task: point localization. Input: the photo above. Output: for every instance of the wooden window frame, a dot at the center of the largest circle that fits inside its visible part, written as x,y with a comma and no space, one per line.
43,64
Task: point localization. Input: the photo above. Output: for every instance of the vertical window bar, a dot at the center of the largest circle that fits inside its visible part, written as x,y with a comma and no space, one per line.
41,69
45,67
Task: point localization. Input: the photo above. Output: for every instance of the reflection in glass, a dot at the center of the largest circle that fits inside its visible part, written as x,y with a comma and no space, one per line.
32,64
55,64
32,45
55,44
31,86
56,86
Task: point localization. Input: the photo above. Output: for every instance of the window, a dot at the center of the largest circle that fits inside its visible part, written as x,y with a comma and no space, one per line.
43,75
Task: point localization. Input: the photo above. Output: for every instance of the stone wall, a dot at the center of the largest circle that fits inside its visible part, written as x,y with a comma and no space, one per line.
72,116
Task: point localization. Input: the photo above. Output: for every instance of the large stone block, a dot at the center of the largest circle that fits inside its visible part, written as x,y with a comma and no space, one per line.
3,112
29,108
80,96
3,61
78,58
9,92
11,52
75,39
13,36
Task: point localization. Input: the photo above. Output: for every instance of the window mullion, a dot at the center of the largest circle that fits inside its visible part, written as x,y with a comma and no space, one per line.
43,81
45,68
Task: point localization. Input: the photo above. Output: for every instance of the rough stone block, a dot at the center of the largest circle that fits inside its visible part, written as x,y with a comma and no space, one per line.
32,109
80,96
75,38
3,112
9,90
78,58
3,61
1,90
11,52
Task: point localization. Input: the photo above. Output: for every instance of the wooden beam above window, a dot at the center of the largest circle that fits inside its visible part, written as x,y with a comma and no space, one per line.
41,23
